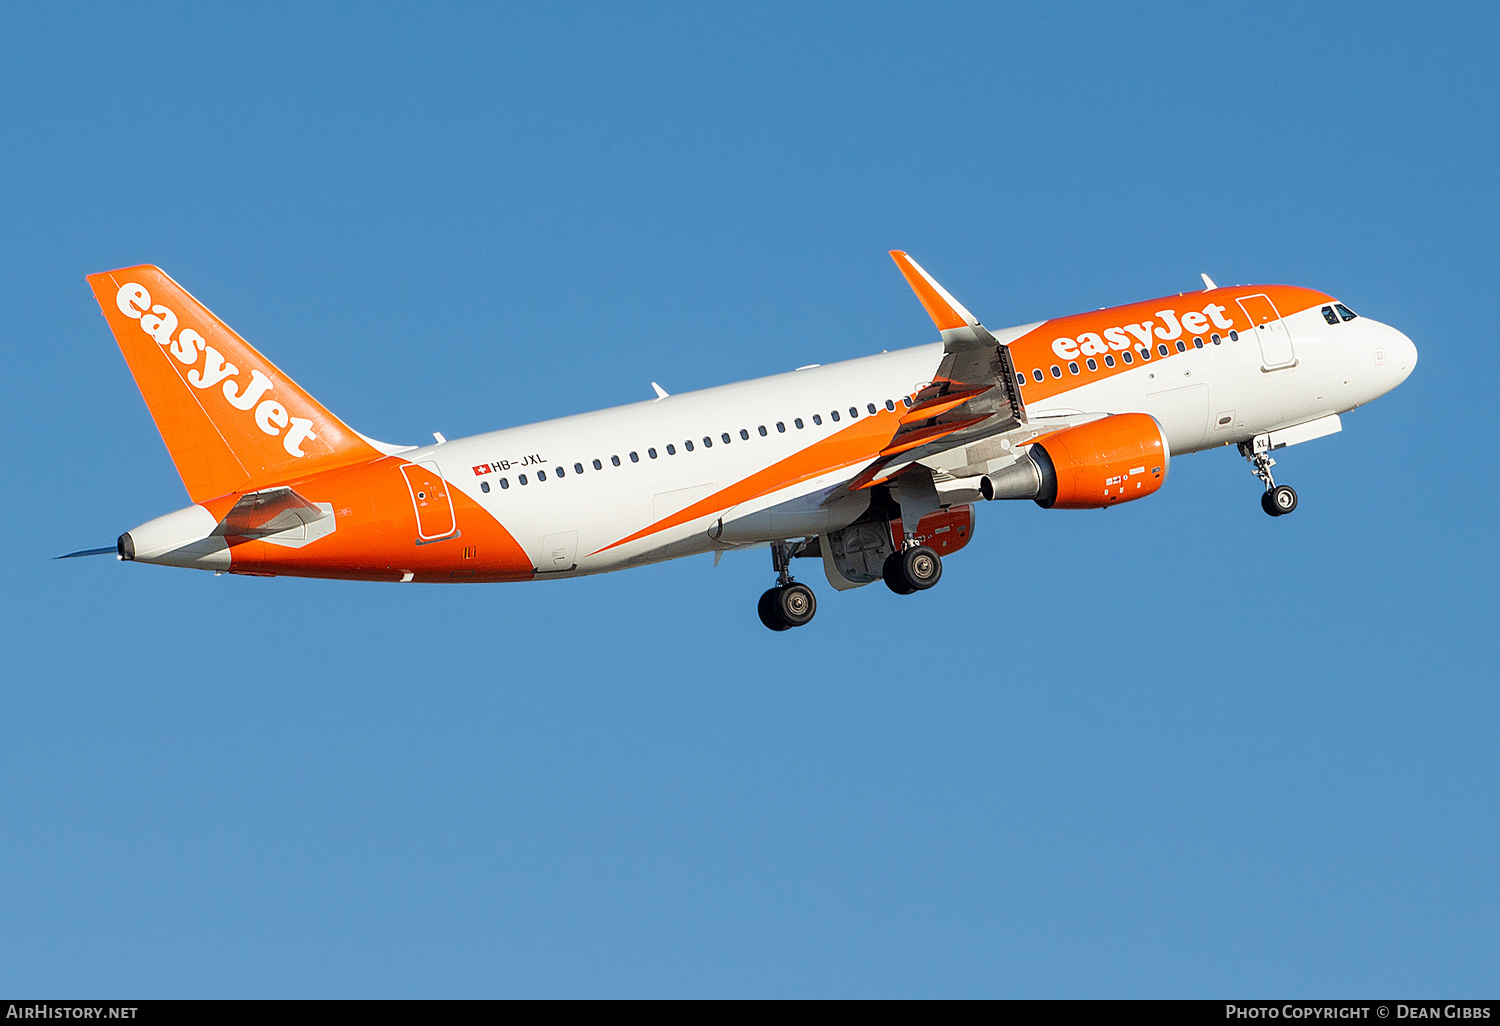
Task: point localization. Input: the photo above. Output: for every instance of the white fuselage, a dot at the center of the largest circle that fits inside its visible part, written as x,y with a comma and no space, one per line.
574,519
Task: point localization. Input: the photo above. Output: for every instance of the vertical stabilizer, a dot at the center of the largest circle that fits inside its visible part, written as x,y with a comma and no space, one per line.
231,420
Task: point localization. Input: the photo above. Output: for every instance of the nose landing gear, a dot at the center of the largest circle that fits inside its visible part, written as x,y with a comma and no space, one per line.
789,604
1278,500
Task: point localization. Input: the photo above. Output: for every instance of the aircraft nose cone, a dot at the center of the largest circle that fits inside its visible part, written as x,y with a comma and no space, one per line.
1405,353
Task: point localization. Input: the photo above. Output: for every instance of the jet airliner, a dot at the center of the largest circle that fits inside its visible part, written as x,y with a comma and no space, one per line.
873,466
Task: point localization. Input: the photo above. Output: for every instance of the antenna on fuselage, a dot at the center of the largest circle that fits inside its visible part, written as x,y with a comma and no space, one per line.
661,393
1207,281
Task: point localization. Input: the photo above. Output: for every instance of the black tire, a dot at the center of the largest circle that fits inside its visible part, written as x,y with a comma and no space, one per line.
1284,498
922,567
769,609
1265,504
796,605
893,577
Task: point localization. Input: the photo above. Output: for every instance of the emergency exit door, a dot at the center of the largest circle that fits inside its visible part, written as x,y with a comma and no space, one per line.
1270,331
430,498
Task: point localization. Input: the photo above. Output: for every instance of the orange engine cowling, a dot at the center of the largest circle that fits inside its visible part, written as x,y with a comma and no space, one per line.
1101,463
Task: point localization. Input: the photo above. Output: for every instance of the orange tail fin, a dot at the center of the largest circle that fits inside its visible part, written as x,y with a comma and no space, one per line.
232,421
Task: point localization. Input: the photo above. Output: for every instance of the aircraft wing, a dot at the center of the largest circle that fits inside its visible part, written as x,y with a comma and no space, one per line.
972,396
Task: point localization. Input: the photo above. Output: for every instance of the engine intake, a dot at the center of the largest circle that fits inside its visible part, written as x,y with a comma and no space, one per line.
1101,463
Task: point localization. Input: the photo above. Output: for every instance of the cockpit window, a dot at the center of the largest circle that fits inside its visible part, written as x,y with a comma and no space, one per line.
1344,312
1329,315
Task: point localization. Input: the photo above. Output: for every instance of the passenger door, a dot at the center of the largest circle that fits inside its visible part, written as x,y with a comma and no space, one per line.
1270,330
430,499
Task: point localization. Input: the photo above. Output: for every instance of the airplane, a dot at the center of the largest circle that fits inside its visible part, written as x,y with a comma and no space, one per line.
873,466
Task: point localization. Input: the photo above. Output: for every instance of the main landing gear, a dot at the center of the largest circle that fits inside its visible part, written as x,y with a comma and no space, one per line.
1278,500
789,604
912,569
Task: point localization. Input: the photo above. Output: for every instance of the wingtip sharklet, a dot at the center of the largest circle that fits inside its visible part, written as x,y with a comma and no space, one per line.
946,312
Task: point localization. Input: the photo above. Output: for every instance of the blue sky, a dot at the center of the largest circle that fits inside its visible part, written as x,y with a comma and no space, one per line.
1174,749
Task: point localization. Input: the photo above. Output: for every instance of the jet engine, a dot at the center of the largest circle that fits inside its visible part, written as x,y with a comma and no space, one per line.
1101,463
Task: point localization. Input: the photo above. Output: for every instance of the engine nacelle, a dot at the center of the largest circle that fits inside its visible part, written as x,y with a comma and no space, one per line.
1101,463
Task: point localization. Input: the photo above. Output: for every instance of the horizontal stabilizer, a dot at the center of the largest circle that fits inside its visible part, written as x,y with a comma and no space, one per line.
273,512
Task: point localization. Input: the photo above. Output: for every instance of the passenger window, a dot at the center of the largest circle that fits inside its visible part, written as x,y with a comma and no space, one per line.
1037,373
1109,360
1073,367
600,466
504,484
1181,347
708,442
671,450
1020,380
799,424
1126,357
1144,353
853,412
817,418
1161,347
634,458
781,427
1216,338
1329,315
1093,365
522,479
578,467
484,486
1344,312
834,414
762,430
907,399
725,436
651,453
1197,342
1234,336
1056,371
871,408
889,406
744,434
559,472
541,475
688,445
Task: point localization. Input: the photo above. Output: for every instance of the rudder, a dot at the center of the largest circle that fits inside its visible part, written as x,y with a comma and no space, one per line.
230,419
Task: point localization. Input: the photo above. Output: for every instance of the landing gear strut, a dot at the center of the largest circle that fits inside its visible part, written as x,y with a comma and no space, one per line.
789,604
1278,500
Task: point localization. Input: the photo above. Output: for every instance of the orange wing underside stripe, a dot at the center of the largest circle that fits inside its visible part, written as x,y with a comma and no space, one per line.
872,439
858,443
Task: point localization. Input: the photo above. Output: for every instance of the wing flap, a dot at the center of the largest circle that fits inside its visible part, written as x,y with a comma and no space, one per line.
972,396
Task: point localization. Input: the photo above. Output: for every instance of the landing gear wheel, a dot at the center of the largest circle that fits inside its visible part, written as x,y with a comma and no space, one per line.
1280,501
894,578
916,569
796,604
770,614
1265,504
922,567
786,606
